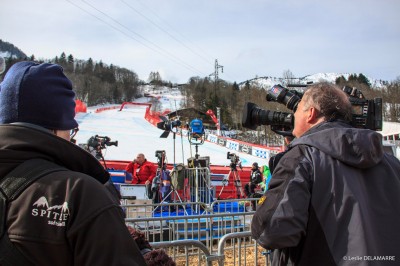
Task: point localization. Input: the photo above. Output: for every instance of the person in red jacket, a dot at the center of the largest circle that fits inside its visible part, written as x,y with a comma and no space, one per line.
142,171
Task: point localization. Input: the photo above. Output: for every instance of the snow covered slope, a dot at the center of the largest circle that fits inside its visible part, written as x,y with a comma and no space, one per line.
136,135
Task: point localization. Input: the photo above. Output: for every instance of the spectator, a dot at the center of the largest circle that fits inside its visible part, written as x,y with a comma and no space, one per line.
255,179
143,172
66,216
264,169
333,196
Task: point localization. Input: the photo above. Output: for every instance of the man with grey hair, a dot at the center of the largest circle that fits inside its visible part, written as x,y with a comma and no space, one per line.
333,197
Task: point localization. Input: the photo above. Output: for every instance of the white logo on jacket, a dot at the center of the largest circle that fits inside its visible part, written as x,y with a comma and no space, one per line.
55,215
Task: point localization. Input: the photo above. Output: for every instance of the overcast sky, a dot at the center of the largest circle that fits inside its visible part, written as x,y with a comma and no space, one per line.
183,38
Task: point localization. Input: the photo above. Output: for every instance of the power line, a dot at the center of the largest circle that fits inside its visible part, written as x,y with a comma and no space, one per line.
166,23
169,25
166,32
166,52
171,56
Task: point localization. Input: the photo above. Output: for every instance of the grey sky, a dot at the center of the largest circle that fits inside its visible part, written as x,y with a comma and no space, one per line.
182,38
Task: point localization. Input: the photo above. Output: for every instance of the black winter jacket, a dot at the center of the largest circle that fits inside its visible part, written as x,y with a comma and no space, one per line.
255,176
67,217
334,199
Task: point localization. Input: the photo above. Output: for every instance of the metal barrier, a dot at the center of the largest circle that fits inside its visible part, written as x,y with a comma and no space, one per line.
233,249
199,185
206,228
202,233
186,254
242,248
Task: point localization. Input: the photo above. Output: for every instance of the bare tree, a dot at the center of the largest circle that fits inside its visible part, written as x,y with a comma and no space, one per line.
287,77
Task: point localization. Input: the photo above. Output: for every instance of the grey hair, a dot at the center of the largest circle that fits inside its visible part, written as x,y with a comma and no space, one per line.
329,100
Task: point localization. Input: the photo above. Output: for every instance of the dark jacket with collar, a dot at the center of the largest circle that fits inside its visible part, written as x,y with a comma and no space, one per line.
332,200
89,229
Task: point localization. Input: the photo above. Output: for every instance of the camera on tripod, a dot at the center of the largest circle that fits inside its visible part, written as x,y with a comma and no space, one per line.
100,142
366,113
96,143
160,155
235,160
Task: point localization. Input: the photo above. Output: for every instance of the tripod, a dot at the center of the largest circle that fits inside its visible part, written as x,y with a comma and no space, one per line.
236,179
165,180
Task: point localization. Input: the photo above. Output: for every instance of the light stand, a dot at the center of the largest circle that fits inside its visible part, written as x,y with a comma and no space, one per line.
201,177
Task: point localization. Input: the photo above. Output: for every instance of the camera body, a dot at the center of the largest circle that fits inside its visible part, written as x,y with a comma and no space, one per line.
100,142
235,160
160,155
96,143
365,113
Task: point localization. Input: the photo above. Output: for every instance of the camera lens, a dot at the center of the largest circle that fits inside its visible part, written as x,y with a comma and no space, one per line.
254,116
282,95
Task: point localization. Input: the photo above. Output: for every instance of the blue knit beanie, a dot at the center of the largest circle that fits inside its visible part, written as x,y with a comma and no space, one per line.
39,94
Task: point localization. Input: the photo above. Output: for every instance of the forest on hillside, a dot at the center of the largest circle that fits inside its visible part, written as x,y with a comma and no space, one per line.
99,83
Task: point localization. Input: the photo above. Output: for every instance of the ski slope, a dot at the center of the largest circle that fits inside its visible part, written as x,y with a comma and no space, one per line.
136,135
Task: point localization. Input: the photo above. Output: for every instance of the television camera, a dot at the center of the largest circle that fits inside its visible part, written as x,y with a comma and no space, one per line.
235,161
160,155
97,143
365,113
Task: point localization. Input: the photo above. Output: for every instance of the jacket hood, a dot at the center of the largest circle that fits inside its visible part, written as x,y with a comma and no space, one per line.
361,148
19,143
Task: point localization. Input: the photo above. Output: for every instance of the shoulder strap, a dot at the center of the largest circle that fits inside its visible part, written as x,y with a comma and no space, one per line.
11,186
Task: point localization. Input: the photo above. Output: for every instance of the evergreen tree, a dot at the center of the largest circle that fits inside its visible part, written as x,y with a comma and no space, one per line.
353,77
363,80
70,64
70,59
340,80
63,60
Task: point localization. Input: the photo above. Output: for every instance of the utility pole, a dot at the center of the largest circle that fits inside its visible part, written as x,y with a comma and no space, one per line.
215,74
219,121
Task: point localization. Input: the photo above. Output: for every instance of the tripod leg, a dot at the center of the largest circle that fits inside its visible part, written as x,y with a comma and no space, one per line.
180,200
224,185
238,184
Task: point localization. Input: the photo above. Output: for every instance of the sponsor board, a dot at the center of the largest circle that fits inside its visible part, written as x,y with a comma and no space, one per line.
245,148
232,145
212,138
221,141
262,153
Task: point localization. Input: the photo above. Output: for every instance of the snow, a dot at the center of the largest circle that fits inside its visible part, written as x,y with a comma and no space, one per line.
136,135
268,82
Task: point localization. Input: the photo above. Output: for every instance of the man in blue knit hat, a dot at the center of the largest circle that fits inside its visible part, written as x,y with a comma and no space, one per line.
54,205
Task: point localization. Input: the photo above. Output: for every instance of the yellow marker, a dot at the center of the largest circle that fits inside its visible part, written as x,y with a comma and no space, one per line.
261,200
